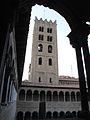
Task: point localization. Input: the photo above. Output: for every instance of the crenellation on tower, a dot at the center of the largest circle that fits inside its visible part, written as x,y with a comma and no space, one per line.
45,21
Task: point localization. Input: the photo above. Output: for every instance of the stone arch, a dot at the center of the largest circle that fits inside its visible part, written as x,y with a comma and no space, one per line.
74,114
42,96
29,95
50,61
22,94
49,96
19,115
40,60
49,48
27,115
68,114
61,96
78,96
35,115
73,96
40,47
35,95
61,114
55,96
55,114
67,96
49,115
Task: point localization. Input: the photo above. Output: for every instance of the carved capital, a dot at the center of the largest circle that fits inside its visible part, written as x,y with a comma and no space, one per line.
78,37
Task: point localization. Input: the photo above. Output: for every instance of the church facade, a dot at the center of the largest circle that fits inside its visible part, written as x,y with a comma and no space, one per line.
45,94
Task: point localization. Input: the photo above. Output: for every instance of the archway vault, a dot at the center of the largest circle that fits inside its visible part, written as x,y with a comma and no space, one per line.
19,11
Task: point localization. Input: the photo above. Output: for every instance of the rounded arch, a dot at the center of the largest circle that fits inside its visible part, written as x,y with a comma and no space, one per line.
55,114
73,96
35,95
78,96
40,60
55,96
61,114
49,96
19,115
62,9
74,114
68,114
49,115
42,96
27,115
67,96
35,115
29,95
61,96
50,61
40,48
49,48
22,94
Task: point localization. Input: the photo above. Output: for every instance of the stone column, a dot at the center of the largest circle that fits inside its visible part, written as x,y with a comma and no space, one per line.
82,83
87,64
76,40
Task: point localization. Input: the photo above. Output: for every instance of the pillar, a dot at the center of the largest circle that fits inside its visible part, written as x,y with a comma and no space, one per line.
77,41
82,83
87,64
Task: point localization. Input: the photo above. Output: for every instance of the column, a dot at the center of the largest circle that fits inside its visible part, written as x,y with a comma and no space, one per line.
82,83
76,40
87,64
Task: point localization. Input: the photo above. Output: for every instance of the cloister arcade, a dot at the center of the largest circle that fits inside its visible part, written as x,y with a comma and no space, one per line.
42,95
35,115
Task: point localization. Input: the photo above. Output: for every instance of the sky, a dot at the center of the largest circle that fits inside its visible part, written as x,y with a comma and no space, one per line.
67,64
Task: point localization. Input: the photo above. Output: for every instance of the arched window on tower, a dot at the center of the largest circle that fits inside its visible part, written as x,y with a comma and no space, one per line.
40,61
49,49
49,30
41,29
40,37
40,47
50,61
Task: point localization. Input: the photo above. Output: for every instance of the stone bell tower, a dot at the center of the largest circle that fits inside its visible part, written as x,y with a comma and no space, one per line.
44,60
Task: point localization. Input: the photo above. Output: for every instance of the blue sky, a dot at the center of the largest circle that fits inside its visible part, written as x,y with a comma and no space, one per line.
66,54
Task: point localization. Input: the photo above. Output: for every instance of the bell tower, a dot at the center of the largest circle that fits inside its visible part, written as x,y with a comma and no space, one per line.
44,60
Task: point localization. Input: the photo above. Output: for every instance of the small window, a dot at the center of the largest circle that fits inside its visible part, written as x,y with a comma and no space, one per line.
50,61
40,61
40,37
39,79
40,47
41,29
49,38
50,80
49,30
49,49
